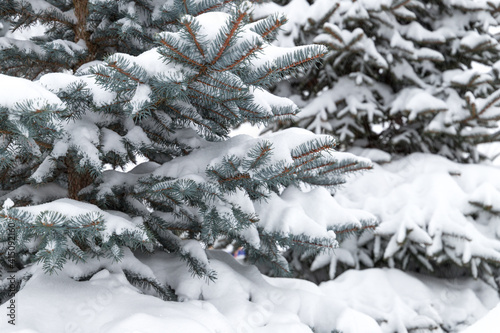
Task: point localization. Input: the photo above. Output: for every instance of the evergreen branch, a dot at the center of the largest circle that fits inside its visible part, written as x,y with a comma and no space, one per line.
193,35
241,59
332,33
166,292
229,36
170,107
121,71
277,24
270,259
248,111
230,87
211,8
323,147
495,97
360,168
490,103
228,109
355,229
286,170
212,98
263,154
179,53
263,77
399,5
211,110
238,177
301,62
313,244
314,158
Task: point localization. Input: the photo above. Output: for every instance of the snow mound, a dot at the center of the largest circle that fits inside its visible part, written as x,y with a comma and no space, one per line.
240,300
488,324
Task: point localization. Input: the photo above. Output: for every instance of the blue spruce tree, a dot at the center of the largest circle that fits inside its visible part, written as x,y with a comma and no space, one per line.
112,81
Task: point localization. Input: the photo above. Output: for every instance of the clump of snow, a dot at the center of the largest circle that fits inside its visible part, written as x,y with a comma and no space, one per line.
114,224
212,22
296,212
375,155
417,33
399,301
473,41
15,90
415,102
57,82
8,203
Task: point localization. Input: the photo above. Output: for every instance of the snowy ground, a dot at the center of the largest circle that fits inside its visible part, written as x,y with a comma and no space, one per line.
242,300
488,324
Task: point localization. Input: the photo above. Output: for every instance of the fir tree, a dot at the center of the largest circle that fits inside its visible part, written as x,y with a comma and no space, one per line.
401,77
180,76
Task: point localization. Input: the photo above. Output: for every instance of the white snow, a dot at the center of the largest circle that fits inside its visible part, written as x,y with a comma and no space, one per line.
398,301
421,200
114,224
211,22
473,40
241,300
416,101
487,324
296,212
59,81
375,155
141,97
15,90
417,33
426,200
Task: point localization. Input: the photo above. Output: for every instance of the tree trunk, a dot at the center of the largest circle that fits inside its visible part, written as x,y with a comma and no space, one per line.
81,32
76,181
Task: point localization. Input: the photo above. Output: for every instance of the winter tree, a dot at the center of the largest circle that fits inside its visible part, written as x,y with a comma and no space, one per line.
399,75
112,81
403,77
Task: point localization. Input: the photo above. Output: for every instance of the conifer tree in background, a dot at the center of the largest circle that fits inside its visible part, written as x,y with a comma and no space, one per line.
114,80
399,75
400,78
